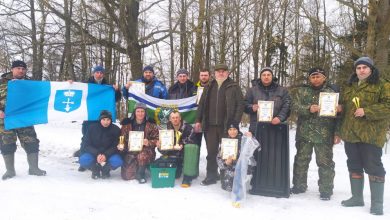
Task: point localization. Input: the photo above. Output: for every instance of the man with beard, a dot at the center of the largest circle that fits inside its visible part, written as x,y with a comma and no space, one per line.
221,104
153,86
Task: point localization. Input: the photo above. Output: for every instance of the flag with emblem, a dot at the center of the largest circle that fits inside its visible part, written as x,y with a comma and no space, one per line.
159,109
39,102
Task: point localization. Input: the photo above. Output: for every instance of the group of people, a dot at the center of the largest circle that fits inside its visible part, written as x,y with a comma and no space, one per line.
362,120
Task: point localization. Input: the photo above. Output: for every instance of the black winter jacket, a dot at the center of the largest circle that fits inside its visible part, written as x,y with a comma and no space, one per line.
101,140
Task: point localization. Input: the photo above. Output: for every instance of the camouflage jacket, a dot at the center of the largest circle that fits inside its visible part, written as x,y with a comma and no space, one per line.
311,127
375,100
3,88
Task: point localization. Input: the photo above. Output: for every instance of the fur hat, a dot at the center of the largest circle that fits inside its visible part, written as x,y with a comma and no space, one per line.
140,105
364,60
98,69
105,114
148,68
316,70
18,63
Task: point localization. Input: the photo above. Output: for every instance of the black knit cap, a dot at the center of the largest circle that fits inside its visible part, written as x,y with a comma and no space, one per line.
18,63
233,125
105,114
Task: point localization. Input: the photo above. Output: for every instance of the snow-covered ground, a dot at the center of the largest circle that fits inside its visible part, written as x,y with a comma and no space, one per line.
66,193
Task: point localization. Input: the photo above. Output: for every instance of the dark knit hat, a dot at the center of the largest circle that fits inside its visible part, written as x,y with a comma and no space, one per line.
233,125
18,63
266,69
182,71
140,105
316,70
221,66
148,68
105,114
98,69
364,60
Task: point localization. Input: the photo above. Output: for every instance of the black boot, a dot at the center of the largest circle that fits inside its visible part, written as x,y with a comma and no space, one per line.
9,161
357,186
186,181
95,171
106,171
32,160
377,185
140,175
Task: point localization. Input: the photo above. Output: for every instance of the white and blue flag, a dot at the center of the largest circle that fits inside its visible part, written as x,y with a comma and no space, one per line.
39,102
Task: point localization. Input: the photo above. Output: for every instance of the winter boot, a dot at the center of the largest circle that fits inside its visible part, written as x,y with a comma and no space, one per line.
106,171
377,184
95,171
141,175
32,160
187,180
9,161
357,185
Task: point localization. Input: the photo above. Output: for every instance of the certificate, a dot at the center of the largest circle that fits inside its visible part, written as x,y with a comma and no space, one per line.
166,139
229,147
328,102
265,112
137,86
199,93
136,140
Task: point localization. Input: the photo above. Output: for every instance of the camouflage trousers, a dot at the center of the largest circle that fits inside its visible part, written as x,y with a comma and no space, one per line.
27,137
324,160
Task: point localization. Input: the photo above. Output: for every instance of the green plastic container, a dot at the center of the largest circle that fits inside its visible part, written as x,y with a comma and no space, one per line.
162,177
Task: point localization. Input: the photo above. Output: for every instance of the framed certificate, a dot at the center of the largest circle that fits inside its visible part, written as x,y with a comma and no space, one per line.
328,102
137,86
199,93
229,147
265,112
166,139
136,140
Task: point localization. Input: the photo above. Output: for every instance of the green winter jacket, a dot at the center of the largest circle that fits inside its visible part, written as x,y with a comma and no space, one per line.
375,100
311,127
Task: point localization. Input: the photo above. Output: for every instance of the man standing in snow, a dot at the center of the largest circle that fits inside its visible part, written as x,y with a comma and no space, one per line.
314,131
27,136
366,104
221,104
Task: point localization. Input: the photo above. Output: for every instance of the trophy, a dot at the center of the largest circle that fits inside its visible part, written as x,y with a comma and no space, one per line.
121,144
356,101
178,136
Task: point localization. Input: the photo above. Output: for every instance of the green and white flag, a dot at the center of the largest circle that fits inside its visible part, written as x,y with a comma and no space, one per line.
159,109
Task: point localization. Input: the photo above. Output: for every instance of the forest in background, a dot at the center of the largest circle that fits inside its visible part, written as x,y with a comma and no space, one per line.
64,39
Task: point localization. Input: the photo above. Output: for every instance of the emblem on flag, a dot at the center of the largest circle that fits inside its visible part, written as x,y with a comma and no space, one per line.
67,100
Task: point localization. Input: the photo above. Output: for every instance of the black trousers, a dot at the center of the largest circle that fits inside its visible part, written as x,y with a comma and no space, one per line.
213,138
363,157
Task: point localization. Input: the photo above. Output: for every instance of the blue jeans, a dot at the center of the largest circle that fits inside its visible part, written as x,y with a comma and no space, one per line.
87,160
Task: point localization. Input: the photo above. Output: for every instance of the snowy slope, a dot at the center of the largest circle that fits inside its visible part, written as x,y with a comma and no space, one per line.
66,193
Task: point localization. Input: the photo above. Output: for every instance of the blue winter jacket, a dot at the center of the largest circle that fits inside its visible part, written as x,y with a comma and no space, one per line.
156,89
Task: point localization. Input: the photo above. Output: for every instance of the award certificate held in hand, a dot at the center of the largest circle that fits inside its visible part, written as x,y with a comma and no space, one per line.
328,102
265,112
136,140
229,148
166,139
